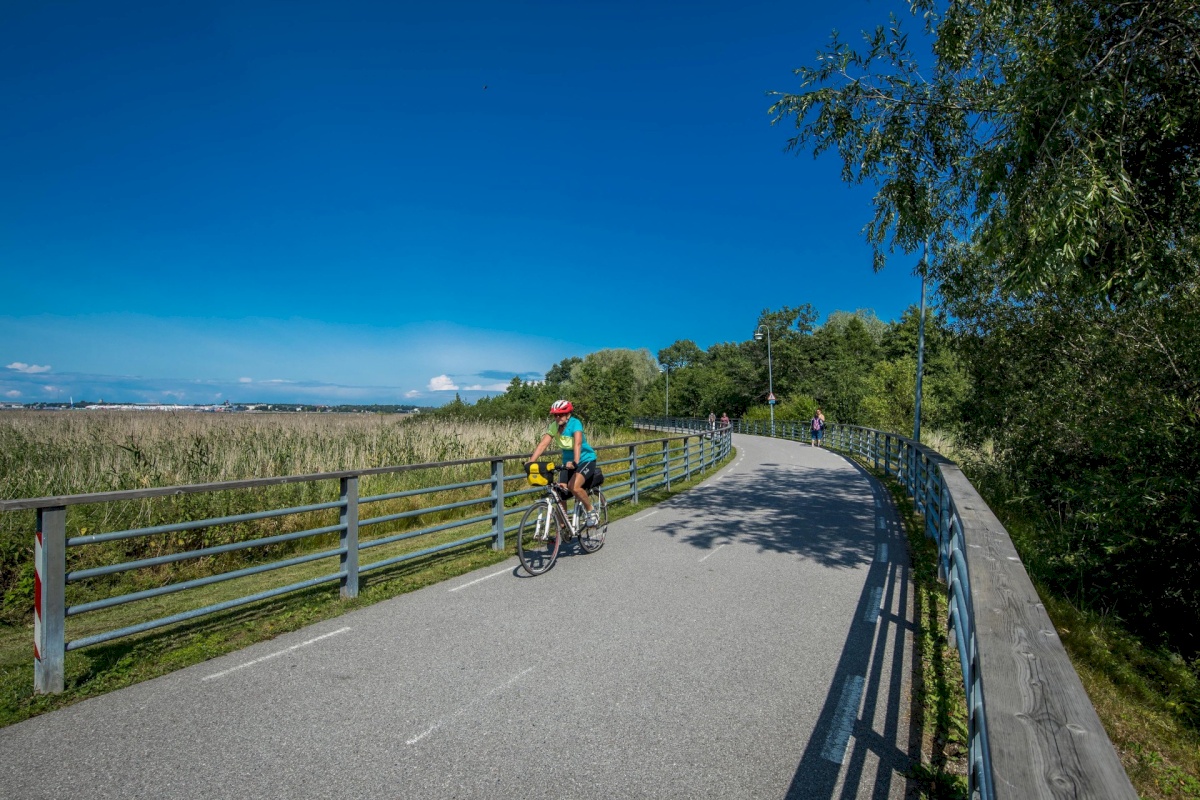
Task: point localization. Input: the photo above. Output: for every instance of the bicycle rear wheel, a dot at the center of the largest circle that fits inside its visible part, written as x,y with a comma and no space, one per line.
591,538
538,538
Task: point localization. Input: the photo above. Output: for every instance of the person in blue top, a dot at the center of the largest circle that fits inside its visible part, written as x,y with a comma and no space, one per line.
580,471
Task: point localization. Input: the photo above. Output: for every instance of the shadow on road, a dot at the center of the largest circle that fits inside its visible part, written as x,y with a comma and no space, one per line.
863,743
787,508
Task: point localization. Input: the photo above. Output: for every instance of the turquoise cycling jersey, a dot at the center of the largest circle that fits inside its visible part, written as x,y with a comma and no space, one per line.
566,440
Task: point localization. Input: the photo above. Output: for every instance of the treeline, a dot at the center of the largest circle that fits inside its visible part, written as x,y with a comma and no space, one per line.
855,367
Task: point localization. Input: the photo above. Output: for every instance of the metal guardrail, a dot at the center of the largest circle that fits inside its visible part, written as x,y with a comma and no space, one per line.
640,466
1033,731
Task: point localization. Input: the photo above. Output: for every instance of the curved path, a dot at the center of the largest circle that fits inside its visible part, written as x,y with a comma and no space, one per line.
751,638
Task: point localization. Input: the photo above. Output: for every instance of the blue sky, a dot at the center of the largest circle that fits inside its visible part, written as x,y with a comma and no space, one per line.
389,202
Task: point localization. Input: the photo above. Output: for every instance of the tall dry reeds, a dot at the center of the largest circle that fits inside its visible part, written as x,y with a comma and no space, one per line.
46,453
54,453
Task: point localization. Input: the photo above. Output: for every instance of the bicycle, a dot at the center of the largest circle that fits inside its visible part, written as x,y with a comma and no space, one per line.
546,524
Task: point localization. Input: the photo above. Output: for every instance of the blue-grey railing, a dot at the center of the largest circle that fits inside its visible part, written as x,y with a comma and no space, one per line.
1033,731
630,469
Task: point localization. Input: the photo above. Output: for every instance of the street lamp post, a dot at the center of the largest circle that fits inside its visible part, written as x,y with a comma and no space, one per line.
666,368
920,349
758,335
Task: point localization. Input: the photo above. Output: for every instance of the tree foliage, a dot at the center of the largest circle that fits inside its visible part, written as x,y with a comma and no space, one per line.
1037,147
1049,156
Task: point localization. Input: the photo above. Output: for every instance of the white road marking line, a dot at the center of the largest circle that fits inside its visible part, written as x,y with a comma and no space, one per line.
467,707
872,612
718,547
484,578
843,719
882,554
273,655
881,523
648,514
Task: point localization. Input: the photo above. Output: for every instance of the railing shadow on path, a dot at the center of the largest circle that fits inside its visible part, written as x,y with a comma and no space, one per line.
824,515
873,657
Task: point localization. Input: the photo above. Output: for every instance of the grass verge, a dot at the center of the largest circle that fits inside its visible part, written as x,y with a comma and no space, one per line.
99,669
1144,699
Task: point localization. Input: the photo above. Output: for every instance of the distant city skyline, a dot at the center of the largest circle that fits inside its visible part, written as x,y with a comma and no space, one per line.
359,202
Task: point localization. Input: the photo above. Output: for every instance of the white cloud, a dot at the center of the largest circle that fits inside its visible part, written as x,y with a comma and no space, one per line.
245,380
494,387
28,369
442,383
12,393
412,393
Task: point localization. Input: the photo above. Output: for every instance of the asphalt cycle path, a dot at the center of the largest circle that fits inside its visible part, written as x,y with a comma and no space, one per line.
750,638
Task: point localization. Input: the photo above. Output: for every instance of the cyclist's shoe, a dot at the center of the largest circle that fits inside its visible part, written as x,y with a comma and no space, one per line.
592,519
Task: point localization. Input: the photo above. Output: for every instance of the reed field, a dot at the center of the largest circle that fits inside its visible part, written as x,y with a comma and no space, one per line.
53,453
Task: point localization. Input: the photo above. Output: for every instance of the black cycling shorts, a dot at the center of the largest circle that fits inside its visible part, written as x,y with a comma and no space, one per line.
593,476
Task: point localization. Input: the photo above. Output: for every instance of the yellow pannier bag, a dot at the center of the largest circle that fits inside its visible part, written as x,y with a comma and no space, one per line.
540,474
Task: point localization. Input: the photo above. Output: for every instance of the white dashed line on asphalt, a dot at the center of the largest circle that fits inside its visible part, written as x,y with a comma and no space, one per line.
882,555
648,514
872,612
484,578
718,547
273,655
843,719
468,706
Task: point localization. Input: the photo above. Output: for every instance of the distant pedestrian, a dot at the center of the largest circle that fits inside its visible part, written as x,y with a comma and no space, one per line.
724,420
818,428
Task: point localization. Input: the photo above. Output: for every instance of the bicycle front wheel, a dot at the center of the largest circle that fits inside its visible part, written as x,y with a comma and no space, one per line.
591,538
538,538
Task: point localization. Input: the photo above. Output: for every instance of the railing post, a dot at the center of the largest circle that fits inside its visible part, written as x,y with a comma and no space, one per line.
349,520
49,600
667,462
498,504
687,458
633,476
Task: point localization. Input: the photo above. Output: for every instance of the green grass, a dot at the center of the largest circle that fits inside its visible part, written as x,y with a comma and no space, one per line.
99,669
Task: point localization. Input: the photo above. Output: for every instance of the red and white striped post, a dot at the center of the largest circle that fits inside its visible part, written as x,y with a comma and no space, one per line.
49,600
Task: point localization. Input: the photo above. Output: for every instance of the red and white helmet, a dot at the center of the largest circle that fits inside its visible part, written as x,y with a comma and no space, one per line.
561,407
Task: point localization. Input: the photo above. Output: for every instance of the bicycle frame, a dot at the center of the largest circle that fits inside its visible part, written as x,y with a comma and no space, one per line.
569,521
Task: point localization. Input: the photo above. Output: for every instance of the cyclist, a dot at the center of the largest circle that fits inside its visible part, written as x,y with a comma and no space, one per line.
580,471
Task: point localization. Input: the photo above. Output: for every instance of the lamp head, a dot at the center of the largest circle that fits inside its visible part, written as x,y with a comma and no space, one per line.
758,335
